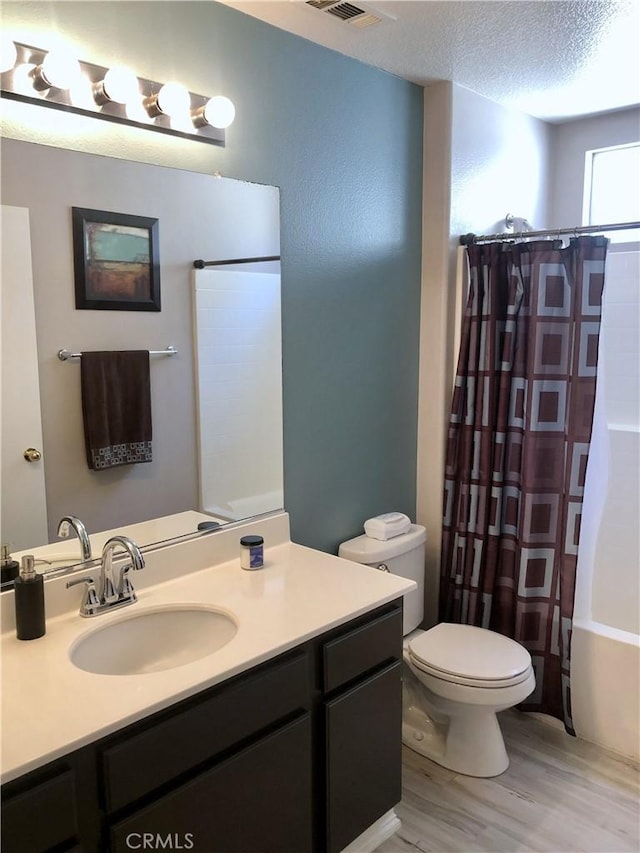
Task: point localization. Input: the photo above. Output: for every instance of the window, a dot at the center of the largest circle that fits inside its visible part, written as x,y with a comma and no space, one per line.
612,189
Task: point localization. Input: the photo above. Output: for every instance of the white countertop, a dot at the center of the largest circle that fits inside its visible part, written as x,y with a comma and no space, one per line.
50,707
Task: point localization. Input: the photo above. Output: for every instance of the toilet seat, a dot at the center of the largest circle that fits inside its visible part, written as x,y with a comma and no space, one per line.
467,681
470,656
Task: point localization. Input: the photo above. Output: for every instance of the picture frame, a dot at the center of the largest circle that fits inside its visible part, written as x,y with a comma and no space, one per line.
116,261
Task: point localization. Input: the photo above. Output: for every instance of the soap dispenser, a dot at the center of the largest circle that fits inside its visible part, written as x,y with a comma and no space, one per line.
8,568
29,601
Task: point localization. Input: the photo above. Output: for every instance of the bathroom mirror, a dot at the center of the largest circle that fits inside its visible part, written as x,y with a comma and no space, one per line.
199,217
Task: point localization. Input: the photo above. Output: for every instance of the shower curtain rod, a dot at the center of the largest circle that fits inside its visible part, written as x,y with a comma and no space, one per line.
470,239
200,264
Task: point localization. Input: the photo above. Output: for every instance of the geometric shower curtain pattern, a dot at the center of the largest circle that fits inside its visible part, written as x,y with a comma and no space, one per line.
518,444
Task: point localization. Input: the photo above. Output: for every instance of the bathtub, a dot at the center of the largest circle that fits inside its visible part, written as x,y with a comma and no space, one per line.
605,686
605,646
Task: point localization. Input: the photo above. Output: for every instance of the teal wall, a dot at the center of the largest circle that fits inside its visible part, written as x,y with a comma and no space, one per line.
343,141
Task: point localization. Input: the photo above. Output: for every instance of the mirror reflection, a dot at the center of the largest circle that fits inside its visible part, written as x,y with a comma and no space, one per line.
216,405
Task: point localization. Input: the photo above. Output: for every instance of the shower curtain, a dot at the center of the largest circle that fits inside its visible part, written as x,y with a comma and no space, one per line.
518,443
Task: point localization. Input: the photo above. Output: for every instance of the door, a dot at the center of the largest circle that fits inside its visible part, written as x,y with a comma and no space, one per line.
23,510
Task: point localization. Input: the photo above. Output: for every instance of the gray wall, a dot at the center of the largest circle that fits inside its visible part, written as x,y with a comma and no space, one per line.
500,163
343,141
570,142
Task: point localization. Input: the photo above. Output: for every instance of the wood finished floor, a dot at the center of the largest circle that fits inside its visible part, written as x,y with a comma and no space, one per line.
560,795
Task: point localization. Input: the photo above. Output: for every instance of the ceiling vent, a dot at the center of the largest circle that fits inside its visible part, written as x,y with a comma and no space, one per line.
358,15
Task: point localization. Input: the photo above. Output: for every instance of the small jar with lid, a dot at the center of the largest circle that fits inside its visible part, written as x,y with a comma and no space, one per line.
252,552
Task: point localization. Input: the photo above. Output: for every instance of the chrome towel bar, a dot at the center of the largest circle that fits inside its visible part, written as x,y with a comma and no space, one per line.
64,354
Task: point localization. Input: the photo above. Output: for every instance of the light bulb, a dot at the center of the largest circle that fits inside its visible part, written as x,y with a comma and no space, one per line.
59,70
219,112
8,53
120,85
173,100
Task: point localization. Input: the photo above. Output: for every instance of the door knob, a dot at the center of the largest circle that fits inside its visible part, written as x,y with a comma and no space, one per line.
32,455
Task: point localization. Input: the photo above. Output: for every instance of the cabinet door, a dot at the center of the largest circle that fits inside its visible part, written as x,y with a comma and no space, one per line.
258,801
364,755
42,817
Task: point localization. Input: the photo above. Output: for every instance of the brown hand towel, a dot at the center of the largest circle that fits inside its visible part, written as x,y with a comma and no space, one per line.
116,407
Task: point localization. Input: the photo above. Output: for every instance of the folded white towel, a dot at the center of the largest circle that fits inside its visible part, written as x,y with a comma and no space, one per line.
387,526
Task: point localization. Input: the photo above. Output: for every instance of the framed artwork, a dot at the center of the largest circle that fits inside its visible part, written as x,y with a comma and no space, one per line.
116,261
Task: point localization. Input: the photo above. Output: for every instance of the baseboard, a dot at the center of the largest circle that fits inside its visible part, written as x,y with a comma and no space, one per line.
380,831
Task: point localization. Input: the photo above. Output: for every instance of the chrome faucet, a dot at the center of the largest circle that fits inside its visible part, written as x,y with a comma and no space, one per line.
120,592
110,593
68,521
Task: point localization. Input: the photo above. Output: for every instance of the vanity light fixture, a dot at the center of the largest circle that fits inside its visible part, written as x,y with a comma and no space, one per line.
56,79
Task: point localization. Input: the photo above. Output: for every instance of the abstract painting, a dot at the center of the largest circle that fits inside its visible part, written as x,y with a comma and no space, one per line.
116,261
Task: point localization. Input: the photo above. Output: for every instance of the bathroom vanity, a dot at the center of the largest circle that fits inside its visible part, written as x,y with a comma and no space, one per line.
286,739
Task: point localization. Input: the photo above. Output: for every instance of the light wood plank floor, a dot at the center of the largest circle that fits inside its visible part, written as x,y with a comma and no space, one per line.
560,795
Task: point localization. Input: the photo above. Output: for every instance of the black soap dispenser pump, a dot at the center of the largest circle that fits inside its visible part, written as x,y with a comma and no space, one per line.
29,600
8,568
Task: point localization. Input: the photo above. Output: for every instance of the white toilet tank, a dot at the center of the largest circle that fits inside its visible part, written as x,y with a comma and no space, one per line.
404,556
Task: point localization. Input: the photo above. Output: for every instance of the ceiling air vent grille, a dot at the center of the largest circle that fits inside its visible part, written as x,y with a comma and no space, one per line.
345,11
358,16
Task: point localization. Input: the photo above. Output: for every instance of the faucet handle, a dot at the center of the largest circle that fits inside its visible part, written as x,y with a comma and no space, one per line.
90,601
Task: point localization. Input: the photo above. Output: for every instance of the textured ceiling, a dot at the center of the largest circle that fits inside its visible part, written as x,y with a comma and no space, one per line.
554,59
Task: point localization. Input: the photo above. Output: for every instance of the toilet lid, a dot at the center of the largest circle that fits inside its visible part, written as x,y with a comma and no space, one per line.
464,651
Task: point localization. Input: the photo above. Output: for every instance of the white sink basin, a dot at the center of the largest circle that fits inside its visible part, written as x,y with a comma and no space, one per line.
153,640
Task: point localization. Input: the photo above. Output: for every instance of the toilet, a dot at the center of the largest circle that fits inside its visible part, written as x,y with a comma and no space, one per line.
456,678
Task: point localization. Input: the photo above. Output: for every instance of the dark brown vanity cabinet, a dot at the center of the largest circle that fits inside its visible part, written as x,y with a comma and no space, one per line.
298,755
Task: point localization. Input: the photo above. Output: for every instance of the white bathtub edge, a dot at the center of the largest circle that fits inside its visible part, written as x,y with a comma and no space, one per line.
616,634
605,687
